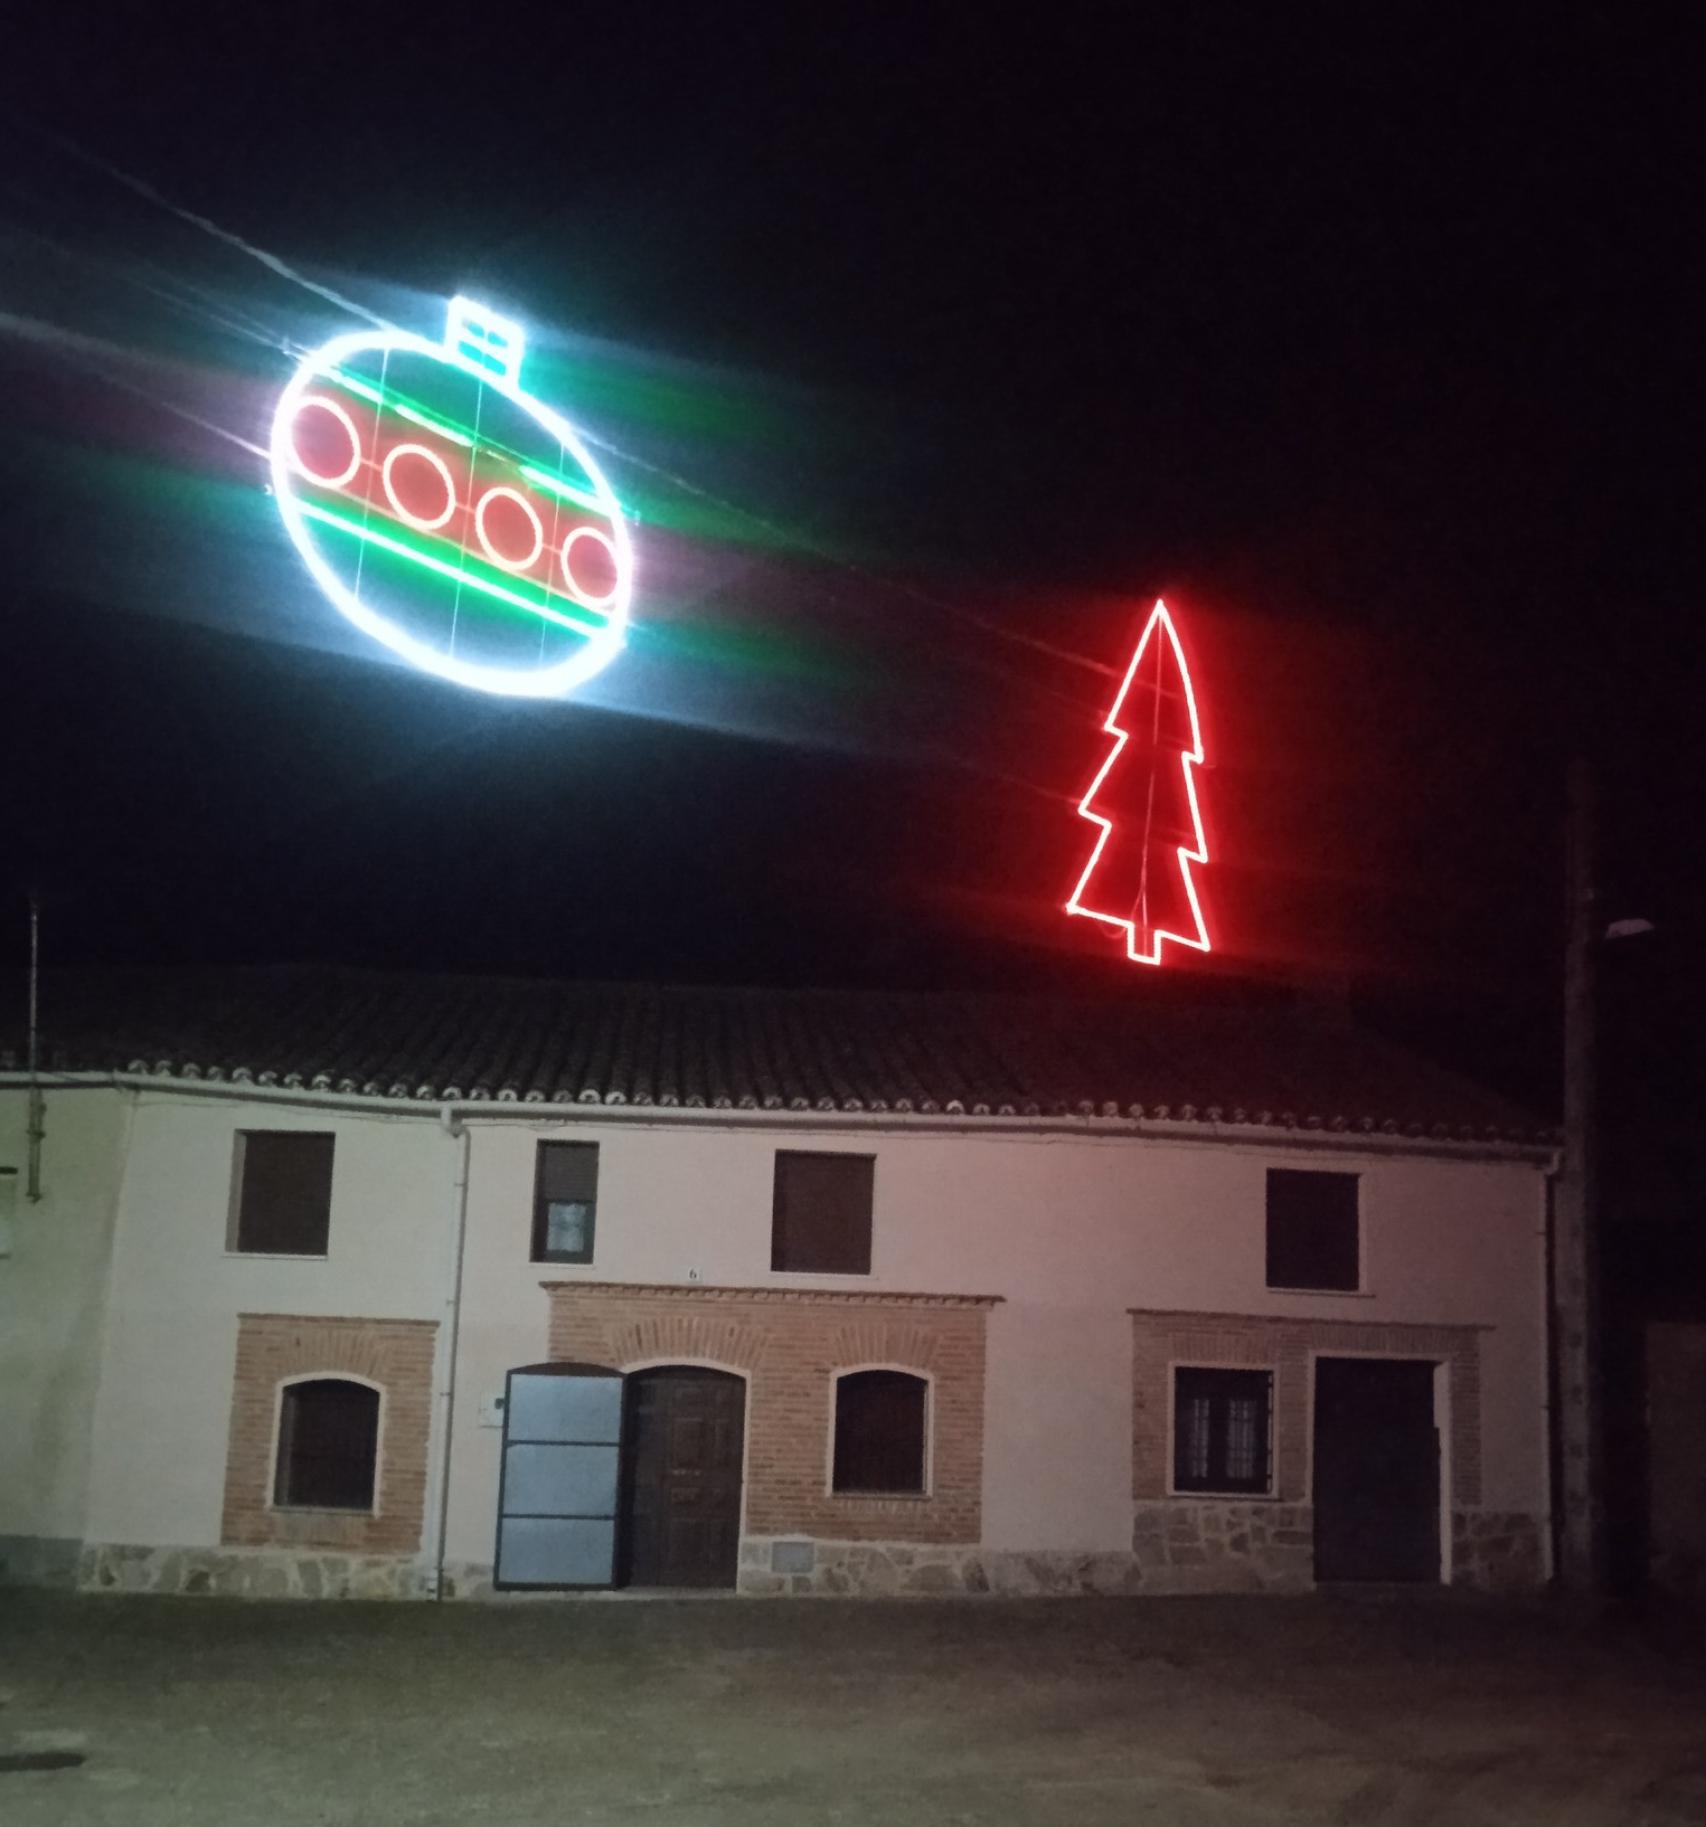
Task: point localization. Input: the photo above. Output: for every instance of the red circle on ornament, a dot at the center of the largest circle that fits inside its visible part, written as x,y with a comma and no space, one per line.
590,567
419,486
508,529
324,443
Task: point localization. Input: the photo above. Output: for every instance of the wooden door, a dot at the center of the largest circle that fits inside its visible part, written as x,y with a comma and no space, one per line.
1376,1470
681,1477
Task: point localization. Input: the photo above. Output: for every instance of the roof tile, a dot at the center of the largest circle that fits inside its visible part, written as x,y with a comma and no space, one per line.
1214,1058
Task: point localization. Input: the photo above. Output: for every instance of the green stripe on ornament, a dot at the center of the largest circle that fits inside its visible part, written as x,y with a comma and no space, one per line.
589,620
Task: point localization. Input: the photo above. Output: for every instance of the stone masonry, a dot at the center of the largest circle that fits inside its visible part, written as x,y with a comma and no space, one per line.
790,1343
1496,1550
1182,1545
1285,1346
254,1573
1189,1543
276,1348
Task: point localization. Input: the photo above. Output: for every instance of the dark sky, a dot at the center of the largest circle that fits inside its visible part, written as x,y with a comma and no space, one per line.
1369,337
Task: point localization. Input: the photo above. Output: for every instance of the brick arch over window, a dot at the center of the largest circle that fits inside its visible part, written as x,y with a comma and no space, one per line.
393,1356
792,1343
741,1343
687,1338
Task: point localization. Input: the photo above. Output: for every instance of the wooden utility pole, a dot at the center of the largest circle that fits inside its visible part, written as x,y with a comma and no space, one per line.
1575,1211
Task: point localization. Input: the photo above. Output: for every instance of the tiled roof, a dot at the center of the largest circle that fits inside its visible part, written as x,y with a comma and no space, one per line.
1260,1060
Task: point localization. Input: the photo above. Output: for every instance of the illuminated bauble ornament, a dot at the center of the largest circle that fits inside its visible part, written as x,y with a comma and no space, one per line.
447,513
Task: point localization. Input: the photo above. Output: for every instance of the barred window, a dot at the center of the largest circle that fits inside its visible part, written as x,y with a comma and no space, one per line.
1222,1420
328,1445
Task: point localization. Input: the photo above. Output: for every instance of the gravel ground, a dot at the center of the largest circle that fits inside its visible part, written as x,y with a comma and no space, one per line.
1179,1711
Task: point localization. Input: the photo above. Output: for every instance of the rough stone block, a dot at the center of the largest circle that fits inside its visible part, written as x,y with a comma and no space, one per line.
932,1578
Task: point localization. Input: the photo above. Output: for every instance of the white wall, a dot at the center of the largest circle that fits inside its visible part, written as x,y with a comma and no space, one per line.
53,1289
1069,1231
171,1342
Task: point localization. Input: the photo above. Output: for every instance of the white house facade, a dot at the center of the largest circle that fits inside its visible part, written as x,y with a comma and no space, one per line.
343,1285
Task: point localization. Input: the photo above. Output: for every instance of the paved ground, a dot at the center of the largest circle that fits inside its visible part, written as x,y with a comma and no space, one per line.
1179,1711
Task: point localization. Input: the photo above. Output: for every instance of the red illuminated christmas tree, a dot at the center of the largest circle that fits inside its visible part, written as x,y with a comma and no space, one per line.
1144,803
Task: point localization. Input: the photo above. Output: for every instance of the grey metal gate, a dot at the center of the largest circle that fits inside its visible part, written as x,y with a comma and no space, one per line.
557,1489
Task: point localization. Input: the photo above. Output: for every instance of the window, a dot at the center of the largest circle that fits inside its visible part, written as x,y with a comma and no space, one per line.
1220,1429
1312,1231
328,1445
283,1203
879,1432
821,1217
565,1201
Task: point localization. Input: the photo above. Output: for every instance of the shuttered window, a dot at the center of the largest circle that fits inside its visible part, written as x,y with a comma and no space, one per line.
1313,1231
880,1432
565,1201
282,1201
821,1214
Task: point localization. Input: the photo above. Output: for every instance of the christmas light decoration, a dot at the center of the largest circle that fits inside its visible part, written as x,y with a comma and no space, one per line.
1144,802
447,513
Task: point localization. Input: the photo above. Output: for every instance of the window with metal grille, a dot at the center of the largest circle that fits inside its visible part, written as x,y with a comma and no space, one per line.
328,1445
821,1213
282,1200
880,1432
565,1201
1222,1421
1313,1231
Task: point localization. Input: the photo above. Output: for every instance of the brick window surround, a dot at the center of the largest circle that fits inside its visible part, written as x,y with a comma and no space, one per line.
278,1348
790,1343
1161,1340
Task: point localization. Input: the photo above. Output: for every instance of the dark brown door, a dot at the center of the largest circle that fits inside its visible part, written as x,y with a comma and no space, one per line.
1376,1470
681,1459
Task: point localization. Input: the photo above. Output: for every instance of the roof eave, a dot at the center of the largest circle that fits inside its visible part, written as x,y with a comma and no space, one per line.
1334,1134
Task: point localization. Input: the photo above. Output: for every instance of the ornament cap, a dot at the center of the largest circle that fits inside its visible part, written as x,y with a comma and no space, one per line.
479,336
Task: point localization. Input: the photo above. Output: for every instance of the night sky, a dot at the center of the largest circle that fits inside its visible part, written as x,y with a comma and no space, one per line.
931,347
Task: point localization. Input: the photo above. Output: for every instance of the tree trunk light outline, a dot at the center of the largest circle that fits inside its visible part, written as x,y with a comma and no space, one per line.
1143,937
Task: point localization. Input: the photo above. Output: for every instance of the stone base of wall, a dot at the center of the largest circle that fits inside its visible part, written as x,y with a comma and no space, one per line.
1183,1546
774,1566
1496,1551
261,1573
38,1560
1177,1547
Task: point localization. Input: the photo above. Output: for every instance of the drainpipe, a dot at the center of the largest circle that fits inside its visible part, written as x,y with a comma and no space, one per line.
457,1131
1550,1444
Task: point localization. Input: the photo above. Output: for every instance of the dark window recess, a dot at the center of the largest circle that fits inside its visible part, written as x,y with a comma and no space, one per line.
284,1192
1312,1231
328,1445
879,1432
821,1218
1221,1425
565,1201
